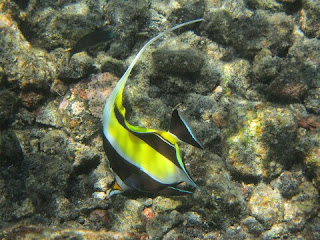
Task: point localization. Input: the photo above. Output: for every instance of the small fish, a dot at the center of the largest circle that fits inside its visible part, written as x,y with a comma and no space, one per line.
144,159
90,40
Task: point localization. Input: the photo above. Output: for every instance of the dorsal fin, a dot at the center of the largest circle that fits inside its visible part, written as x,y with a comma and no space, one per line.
180,128
121,83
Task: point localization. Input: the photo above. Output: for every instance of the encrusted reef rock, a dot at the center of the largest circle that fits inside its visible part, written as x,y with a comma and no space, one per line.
247,79
301,207
311,147
266,205
312,101
250,33
299,72
47,26
309,22
80,67
8,105
260,143
266,66
178,61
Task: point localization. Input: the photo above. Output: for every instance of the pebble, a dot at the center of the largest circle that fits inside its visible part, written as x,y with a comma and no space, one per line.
288,183
301,207
182,61
162,223
312,101
253,225
266,205
278,231
80,66
53,142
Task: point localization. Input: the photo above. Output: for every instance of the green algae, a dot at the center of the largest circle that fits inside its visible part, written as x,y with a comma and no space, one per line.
256,148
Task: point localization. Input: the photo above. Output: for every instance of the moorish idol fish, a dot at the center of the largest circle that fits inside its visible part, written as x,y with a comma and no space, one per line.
144,159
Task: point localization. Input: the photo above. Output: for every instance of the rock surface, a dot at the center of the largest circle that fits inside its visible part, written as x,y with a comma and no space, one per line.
247,78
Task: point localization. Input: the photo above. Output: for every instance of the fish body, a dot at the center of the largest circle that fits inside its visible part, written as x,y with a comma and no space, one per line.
145,159
90,40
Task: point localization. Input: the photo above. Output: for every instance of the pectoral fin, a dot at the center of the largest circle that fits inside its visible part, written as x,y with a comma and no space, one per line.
181,129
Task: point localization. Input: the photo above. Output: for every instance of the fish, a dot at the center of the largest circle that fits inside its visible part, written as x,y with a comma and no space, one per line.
90,40
144,159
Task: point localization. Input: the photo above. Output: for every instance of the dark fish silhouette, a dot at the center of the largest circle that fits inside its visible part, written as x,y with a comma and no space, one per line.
90,40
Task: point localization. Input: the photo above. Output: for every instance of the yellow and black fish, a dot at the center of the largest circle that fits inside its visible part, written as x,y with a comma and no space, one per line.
145,159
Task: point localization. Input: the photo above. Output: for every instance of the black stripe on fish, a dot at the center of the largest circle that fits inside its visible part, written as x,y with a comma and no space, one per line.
153,140
131,175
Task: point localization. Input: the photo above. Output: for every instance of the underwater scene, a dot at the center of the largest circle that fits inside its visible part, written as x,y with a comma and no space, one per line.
159,119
